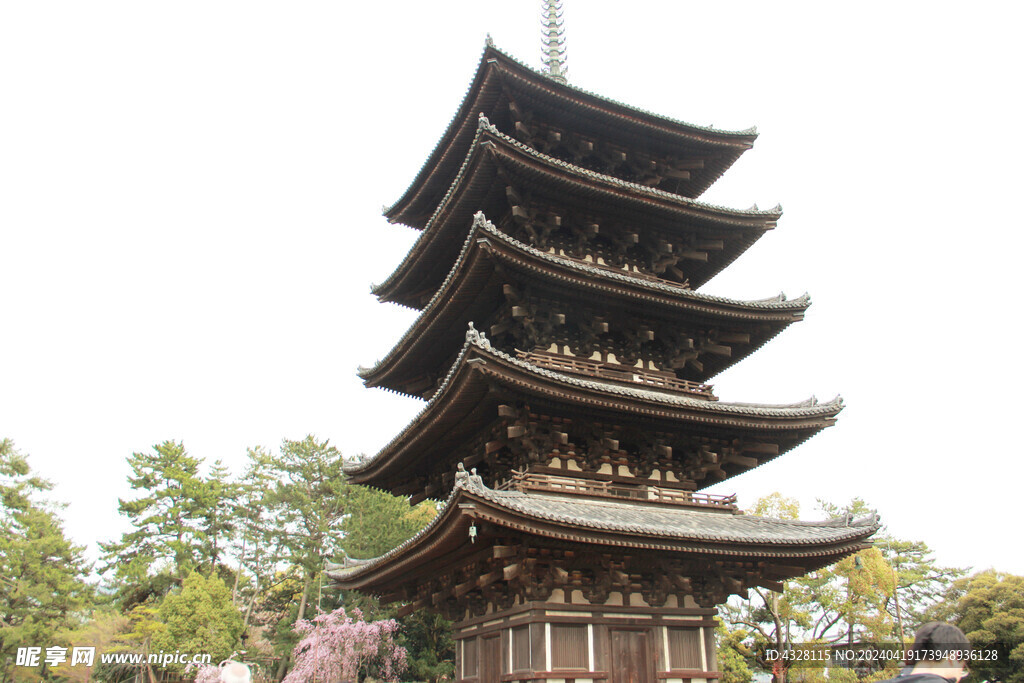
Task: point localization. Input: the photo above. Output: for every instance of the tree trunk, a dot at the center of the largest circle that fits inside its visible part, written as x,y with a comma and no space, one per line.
282,668
238,574
248,609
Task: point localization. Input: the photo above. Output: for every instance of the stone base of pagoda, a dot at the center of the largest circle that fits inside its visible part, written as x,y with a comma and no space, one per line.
556,642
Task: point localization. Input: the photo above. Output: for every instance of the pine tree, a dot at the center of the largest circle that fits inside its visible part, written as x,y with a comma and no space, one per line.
163,548
308,503
42,587
217,498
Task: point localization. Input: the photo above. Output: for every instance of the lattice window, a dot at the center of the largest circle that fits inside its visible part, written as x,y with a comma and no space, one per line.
684,646
569,646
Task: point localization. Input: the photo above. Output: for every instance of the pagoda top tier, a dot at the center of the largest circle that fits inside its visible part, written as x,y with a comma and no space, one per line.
575,125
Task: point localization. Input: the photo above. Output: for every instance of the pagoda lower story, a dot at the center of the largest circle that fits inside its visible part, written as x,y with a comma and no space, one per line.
554,579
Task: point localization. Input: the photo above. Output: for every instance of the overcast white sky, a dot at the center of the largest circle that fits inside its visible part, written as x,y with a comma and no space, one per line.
190,199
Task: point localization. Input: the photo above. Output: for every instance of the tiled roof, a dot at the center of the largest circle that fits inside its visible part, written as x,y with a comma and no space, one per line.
635,190
809,408
647,523
679,523
626,184
483,226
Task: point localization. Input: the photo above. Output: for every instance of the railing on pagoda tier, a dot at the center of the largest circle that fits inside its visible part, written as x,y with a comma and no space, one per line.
616,372
628,270
532,481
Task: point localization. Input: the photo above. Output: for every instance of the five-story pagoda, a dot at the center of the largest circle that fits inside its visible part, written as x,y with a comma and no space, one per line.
563,350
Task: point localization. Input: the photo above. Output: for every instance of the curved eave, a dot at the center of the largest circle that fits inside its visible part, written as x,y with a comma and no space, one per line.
498,70
439,326
479,368
616,525
489,146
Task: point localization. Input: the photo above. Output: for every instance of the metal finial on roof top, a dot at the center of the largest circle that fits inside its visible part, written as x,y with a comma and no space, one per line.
554,40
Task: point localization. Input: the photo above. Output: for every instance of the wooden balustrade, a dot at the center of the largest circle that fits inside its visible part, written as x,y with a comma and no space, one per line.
617,372
527,481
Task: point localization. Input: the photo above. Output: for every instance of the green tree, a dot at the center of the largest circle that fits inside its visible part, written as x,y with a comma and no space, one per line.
42,589
733,655
772,618
200,618
256,547
182,523
217,505
103,631
308,503
165,544
374,523
919,582
989,608
863,597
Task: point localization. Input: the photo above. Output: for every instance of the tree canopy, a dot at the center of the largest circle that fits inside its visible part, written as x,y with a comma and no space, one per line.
42,586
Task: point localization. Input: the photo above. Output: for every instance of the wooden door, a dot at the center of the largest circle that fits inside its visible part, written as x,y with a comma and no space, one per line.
490,659
631,658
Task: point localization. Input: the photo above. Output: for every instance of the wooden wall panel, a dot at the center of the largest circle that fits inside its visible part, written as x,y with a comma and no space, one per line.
490,659
470,661
537,650
631,658
600,647
711,649
521,648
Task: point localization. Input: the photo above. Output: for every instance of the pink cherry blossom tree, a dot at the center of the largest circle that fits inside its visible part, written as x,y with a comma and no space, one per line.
336,647
205,673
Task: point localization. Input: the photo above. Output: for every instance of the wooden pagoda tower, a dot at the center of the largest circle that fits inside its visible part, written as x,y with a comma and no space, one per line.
563,350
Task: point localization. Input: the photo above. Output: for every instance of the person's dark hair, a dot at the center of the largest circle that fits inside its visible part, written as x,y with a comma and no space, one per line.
935,640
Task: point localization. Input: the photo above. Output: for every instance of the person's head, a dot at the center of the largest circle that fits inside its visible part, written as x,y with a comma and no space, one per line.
939,645
235,672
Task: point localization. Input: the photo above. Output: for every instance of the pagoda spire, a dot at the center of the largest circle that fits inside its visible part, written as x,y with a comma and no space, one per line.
554,40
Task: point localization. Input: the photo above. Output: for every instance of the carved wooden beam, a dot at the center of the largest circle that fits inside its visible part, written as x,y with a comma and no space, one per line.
742,460
693,255
734,337
766,448
499,552
488,579
406,610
